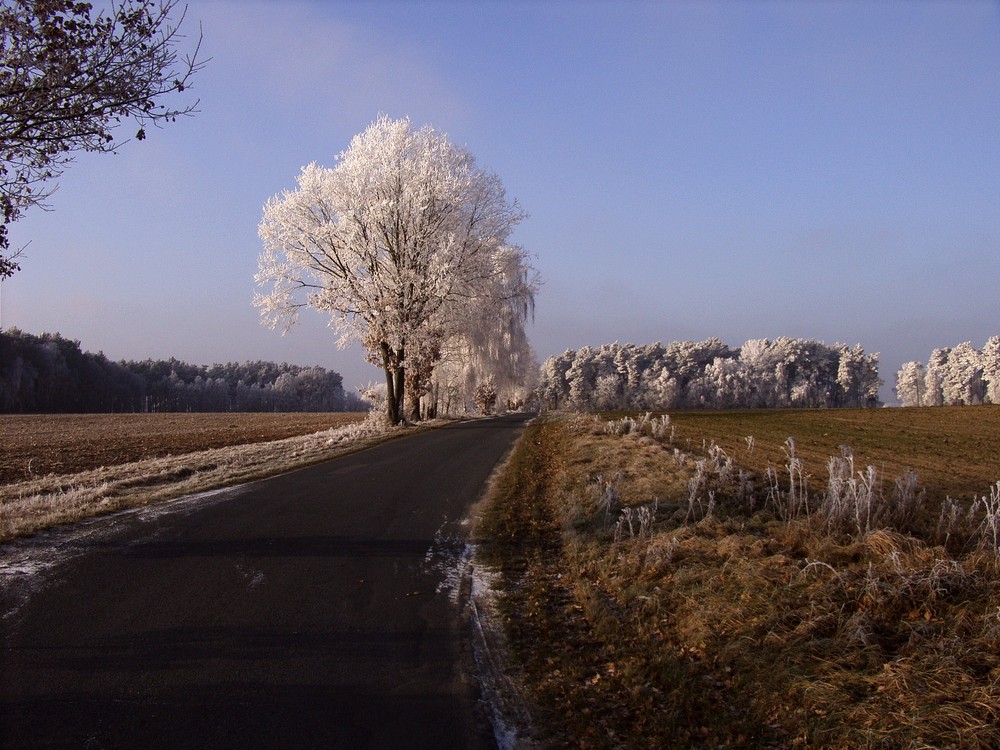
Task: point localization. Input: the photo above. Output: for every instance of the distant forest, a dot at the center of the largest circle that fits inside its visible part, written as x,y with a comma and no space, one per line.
51,374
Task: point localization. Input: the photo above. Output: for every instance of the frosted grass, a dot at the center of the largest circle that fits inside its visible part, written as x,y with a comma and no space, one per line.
30,506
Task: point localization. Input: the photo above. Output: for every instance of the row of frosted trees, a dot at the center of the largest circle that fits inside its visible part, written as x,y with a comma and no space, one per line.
783,372
50,374
956,376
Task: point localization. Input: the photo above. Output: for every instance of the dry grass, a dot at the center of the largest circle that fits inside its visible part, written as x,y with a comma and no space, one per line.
716,622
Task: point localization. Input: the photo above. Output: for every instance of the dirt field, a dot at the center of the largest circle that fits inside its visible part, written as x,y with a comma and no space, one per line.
37,445
952,449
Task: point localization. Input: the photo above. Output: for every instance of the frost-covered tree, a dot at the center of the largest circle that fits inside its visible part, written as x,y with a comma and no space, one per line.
871,382
728,383
962,381
991,369
486,396
957,376
582,378
806,373
851,374
934,376
491,346
910,386
609,377
67,78
760,359
553,386
607,393
687,360
391,243
486,341
661,390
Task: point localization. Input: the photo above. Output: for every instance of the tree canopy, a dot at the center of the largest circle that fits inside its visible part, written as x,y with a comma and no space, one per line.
404,244
68,77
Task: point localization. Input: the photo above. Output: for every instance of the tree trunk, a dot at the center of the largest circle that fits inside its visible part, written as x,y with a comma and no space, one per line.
432,406
400,377
394,378
412,400
391,405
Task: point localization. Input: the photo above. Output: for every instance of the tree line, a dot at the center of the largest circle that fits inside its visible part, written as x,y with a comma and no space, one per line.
762,373
953,376
51,374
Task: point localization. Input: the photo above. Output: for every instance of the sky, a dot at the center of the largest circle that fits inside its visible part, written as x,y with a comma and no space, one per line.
826,170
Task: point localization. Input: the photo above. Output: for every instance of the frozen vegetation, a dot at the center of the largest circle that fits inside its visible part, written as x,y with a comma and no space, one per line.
655,596
38,503
958,376
404,245
708,374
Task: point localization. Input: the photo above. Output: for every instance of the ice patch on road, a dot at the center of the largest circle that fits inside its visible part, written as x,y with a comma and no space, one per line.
186,504
28,564
453,560
252,576
449,558
502,698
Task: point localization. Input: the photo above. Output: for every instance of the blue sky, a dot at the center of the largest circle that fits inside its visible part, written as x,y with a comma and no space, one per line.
826,170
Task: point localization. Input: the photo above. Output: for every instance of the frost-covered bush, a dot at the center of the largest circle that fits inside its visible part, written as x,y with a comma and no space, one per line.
977,524
794,502
623,426
636,522
853,502
661,429
656,427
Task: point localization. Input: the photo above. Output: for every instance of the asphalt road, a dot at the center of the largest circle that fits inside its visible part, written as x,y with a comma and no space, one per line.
318,609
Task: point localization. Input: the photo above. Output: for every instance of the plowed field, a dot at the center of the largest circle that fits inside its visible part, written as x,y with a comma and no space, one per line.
953,449
37,445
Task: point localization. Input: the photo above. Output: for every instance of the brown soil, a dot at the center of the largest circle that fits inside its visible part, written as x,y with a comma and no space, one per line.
952,449
40,444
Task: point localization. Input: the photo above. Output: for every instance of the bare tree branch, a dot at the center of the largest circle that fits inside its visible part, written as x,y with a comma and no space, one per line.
69,78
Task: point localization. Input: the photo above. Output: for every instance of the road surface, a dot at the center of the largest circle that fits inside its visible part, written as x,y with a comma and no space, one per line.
318,609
